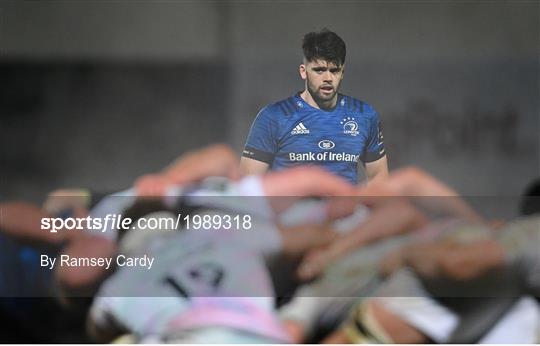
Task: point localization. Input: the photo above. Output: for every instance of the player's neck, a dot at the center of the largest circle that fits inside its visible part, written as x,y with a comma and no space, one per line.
328,105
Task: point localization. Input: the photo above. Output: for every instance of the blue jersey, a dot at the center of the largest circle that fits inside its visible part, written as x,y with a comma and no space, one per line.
291,132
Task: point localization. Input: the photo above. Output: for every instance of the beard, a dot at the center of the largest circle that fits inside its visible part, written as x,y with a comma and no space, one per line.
319,96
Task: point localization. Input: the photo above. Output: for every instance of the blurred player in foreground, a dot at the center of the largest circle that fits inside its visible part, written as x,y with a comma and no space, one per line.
213,285
463,256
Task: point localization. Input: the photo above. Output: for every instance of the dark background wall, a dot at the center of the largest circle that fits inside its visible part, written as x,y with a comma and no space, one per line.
96,93
102,124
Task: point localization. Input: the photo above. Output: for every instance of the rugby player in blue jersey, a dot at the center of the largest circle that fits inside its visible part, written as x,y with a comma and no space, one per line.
318,125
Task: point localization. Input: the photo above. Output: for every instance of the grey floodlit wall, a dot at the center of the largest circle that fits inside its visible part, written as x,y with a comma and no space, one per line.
456,84
142,30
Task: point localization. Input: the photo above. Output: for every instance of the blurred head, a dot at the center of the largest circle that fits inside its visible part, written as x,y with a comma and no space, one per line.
323,66
530,202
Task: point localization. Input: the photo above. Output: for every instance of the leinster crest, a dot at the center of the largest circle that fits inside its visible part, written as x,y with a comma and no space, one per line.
350,126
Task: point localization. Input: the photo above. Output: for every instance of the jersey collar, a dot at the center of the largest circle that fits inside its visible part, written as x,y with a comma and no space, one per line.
300,102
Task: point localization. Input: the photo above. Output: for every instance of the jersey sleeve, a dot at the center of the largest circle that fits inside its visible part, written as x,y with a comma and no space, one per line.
261,143
375,143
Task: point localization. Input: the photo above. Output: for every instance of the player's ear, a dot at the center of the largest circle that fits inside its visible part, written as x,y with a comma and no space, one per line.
302,71
342,71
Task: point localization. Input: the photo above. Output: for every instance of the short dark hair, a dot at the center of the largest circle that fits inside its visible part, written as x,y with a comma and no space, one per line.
324,45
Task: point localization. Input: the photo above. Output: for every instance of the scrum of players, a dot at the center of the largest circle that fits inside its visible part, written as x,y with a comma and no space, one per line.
400,260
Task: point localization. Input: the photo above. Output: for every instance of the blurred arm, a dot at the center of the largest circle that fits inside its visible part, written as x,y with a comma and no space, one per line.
393,213
425,190
22,221
377,169
448,260
393,218
213,160
283,188
251,166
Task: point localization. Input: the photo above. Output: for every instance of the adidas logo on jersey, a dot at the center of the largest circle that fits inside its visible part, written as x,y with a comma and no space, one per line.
300,129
